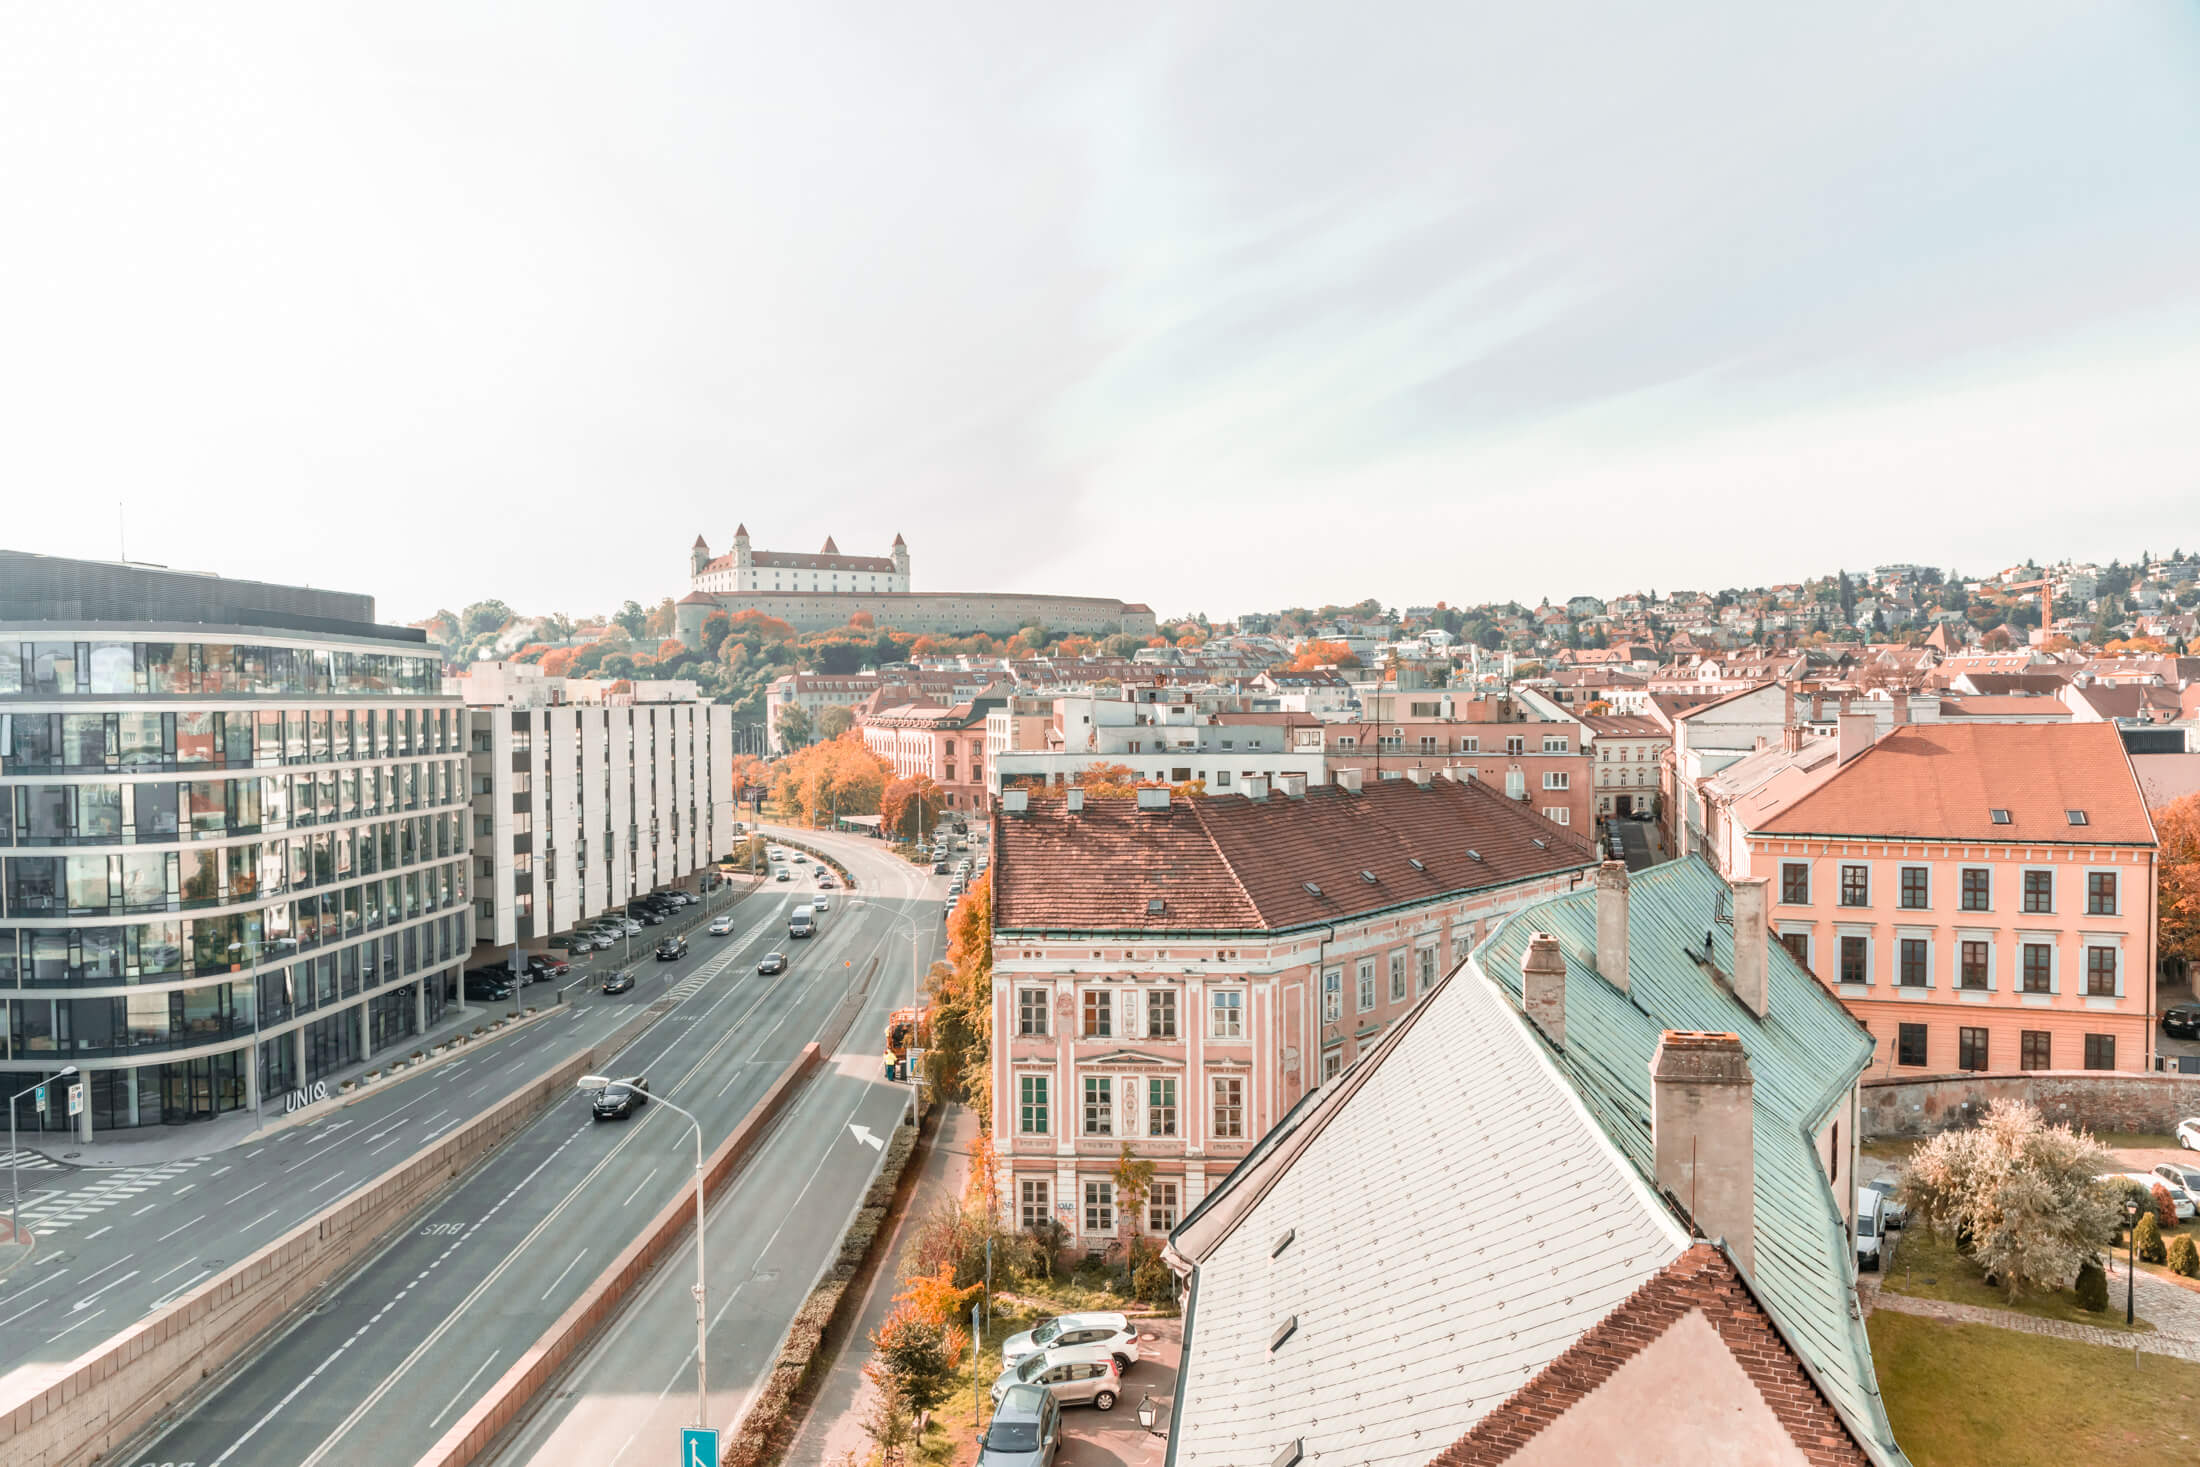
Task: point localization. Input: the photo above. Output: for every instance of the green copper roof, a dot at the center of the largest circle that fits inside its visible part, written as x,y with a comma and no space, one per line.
1804,1055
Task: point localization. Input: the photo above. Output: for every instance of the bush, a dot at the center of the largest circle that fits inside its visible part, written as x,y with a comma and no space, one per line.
2147,1238
2092,1286
2184,1258
2165,1210
1152,1281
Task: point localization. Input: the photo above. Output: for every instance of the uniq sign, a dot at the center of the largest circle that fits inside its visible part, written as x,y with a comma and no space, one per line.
298,1100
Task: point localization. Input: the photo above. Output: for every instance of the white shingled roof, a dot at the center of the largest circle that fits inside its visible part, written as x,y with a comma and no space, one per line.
1456,1224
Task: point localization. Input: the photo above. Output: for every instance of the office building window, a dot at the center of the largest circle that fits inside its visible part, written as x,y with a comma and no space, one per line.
2100,893
1161,1013
1909,1044
2038,968
1031,1105
1099,1105
1970,1049
1032,1203
1856,888
1855,959
1099,1013
1795,883
1229,1108
2100,1051
1160,1106
1228,1015
2100,972
1913,972
2039,891
1913,888
2035,1050
1161,1207
1099,1208
1978,889
1974,964
1031,1011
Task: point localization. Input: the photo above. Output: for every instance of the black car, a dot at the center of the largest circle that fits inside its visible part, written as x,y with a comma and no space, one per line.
939,868
671,948
619,982
773,963
621,1098
2182,1021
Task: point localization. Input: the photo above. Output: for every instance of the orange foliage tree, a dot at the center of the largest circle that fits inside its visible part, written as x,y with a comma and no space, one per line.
910,806
2178,929
771,628
961,989
1321,654
837,777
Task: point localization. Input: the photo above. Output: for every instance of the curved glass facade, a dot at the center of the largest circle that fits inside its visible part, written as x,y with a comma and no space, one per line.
219,842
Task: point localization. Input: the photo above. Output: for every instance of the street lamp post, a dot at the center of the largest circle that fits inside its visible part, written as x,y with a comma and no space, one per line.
2131,1259
702,1286
15,1185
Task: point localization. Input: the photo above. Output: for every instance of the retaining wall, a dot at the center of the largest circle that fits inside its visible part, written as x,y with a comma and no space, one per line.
103,1399
514,1392
2102,1101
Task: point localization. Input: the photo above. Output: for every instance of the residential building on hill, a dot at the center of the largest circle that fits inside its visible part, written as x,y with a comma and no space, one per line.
1379,1281
1174,975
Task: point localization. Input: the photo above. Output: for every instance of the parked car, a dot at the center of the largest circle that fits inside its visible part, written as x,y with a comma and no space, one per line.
574,942
1026,1429
671,949
619,982
720,926
773,963
2146,1182
627,925
484,989
2180,1193
621,1098
2188,1133
1071,1376
2182,1021
1891,1212
541,969
1103,1327
2177,1174
1869,1230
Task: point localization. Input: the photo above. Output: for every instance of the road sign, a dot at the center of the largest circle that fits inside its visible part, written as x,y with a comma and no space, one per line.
76,1099
40,1100
698,1446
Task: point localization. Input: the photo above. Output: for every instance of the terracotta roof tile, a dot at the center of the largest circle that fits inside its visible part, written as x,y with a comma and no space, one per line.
1943,782
1227,863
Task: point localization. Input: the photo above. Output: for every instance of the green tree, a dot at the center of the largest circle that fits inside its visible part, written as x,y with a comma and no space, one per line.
632,619
794,726
483,617
831,723
2021,1190
916,1357
1133,1176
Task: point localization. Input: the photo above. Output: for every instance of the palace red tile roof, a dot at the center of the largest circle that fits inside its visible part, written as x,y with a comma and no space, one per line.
1944,781
1227,863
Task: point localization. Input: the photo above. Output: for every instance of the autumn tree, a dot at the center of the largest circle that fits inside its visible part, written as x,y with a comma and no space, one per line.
658,624
2178,931
961,990
1319,654
1133,1176
826,780
2020,1189
911,806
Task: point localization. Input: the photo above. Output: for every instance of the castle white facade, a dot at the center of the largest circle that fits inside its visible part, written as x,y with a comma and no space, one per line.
778,570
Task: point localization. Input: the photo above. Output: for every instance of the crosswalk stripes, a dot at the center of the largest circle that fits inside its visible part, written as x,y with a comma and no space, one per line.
29,1161
53,1212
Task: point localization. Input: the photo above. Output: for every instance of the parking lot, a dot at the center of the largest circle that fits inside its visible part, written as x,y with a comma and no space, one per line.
1114,1438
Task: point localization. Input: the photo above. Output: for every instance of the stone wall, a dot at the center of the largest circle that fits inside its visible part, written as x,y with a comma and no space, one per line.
945,613
2102,1101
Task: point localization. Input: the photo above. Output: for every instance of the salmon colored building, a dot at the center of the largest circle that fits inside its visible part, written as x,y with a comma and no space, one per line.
1981,897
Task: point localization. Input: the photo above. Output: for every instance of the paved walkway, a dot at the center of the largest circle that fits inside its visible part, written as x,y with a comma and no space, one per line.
833,1430
2173,1310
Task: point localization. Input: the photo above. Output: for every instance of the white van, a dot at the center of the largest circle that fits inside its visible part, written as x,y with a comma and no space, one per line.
1868,1230
802,922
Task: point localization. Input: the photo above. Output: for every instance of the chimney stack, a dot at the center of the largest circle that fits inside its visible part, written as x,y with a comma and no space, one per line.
1419,777
1254,787
1015,802
1350,779
1854,734
1291,786
1543,987
1749,943
1700,1118
1791,738
1074,800
1153,799
1612,923
1901,700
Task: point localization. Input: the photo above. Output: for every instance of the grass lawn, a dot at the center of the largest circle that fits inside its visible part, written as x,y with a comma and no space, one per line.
2136,1141
1960,1394
1926,1267
1895,1151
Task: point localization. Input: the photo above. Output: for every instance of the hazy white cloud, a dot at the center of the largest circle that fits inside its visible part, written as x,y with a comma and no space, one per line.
1418,301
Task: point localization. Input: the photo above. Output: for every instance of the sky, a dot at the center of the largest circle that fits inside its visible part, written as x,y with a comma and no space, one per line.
1220,307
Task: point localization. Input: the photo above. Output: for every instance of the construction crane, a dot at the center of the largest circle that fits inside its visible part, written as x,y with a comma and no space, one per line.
2047,600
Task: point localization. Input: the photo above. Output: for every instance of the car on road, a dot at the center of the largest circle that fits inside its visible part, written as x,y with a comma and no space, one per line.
783,874
947,908
2188,1133
1072,1377
939,868
672,948
720,926
1026,1429
1893,1213
821,903
618,982
1116,1332
801,859
773,963
2182,1021
620,1099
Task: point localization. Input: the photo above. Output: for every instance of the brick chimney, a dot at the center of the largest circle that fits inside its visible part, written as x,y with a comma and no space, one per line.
1350,779
1901,700
1254,787
1612,923
1791,738
1543,987
1700,1141
1854,734
1073,800
1749,943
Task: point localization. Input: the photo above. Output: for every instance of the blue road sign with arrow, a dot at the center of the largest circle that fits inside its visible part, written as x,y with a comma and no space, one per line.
698,1446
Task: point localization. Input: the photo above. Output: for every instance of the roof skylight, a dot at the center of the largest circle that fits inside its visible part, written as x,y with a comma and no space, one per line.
1473,855
1416,863
1311,888
1155,906
2076,817
1369,877
2001,816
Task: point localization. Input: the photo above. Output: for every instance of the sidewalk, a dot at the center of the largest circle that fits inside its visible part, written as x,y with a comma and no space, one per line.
2174,1312
834,1427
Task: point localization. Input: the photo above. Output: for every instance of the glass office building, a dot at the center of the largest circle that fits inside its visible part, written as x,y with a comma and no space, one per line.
232,837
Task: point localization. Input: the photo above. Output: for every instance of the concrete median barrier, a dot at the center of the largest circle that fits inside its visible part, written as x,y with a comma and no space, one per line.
509,1399
75,1412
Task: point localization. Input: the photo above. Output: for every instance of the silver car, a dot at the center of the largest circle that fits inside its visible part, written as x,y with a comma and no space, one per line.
1074,1377
1891,1212
1113,1333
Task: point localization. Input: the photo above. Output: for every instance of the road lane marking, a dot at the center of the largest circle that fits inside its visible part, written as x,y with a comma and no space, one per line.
179,1268
263,1217
164,1237
148,1207
87,1319
247,1192
462,1390
546,1293
639,1185
107,1229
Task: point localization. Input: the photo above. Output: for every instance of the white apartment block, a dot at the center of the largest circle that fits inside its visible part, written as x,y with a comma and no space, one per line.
582,798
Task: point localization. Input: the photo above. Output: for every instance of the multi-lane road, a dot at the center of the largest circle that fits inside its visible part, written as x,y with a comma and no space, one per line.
385,1363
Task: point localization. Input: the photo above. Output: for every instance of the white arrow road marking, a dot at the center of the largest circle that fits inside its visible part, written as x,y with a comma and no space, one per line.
865,1137
103,1288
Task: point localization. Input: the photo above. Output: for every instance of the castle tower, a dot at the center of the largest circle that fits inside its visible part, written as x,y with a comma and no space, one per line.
697,559
744,568
901,561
